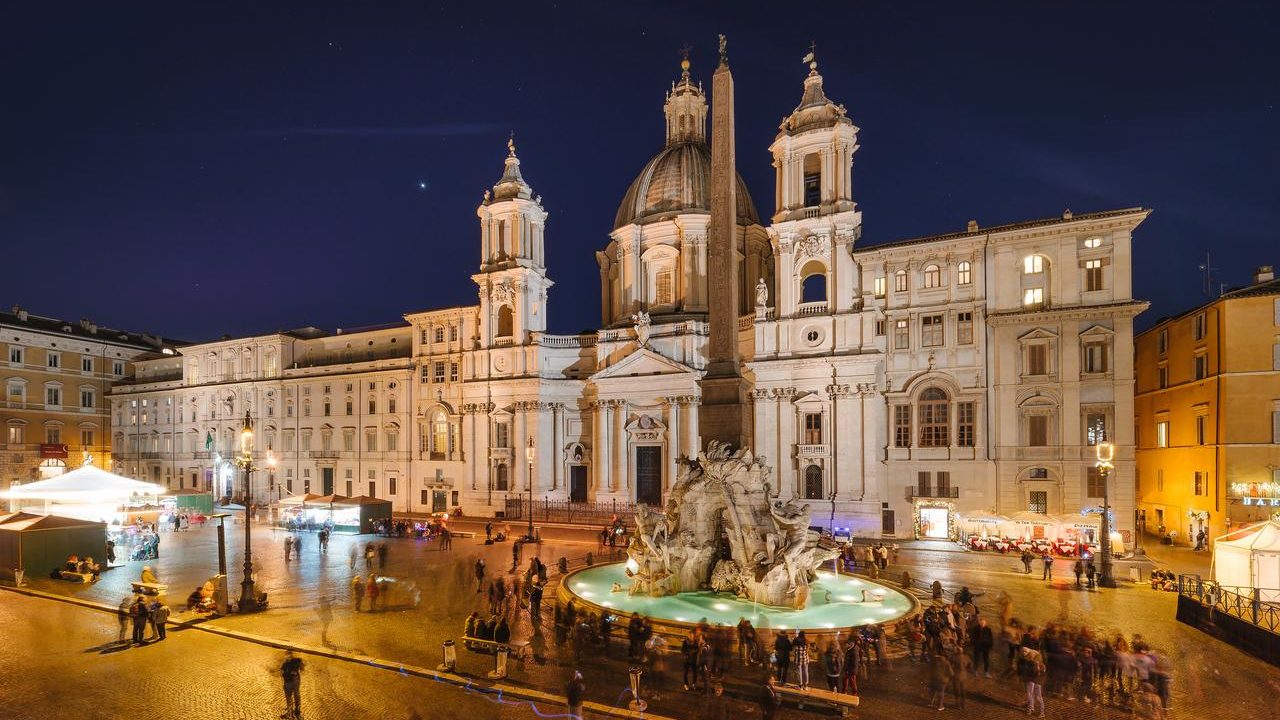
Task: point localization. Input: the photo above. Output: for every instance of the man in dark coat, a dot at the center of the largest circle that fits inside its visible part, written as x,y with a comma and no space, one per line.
983,640
139,615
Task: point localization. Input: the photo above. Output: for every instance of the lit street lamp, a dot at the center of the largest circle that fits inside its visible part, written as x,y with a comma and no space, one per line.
529,454
1106,453
248,593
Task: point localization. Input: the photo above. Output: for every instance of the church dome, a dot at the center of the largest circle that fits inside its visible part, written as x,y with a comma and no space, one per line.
677,180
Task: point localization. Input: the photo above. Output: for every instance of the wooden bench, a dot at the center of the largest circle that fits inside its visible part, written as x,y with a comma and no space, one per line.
143,588
76,577
817,696
519,648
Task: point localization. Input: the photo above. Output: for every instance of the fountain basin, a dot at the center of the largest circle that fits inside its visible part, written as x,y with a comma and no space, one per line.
590,588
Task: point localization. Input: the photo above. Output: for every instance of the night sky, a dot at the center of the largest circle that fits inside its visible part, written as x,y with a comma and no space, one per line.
199,169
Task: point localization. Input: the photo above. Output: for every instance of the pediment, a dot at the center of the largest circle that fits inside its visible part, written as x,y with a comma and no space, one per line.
808,399
1098,331
643,362
1038,334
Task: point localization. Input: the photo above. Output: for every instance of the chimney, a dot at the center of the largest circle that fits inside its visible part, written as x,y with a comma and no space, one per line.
972,227
1264,273
22,314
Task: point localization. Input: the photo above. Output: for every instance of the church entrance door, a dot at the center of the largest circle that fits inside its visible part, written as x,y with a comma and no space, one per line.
577,483
649,475
326,480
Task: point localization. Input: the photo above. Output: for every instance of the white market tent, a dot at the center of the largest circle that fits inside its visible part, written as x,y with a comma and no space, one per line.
88,493
1250,558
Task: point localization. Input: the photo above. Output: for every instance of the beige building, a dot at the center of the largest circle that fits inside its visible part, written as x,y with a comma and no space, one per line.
1208,414
57,378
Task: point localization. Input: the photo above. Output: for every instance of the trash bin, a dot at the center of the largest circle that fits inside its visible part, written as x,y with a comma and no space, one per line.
450,659
500,663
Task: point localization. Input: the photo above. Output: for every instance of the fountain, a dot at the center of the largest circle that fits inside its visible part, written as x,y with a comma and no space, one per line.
725,549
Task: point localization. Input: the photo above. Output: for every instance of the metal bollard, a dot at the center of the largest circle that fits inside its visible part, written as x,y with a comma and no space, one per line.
637,705
450,659
500,663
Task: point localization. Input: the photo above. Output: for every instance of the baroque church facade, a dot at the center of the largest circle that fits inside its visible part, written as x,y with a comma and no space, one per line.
889,386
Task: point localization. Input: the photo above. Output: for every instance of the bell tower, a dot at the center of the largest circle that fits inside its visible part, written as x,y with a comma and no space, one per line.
512,281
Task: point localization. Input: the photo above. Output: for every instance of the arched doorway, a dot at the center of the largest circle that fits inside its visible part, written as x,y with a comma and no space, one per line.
813,483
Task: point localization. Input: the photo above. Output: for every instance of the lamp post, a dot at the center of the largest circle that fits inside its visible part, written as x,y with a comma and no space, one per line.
1106,453
529,455
248,593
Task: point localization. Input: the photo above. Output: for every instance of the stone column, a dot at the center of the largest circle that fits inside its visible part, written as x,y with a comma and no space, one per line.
786,425
557,442
671,416
691,428
601,451
520,438
621,478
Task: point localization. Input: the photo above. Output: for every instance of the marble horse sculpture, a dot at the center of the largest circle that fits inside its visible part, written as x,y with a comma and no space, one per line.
722,530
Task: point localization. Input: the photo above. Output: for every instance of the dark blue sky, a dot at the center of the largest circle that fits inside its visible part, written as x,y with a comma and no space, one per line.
199,169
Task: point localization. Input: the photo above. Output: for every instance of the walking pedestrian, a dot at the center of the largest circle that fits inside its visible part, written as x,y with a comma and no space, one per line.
479,574
573,695
1026,560
1047,559
1078,569
1031,671
961,666
122,616
158,614
351,557
1091,573
291,673
111,552
515,555
288,547
689,649
982,640
369,554
382,556
488,532
940,673
371,591
357,591
535,603
297,547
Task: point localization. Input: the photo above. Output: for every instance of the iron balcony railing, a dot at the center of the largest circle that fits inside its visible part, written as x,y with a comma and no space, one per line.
915,491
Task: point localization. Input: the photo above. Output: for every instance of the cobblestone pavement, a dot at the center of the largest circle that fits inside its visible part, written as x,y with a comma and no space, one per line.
311,605
63,661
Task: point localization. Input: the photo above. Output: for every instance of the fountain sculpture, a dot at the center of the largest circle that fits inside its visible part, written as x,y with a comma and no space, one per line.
723,531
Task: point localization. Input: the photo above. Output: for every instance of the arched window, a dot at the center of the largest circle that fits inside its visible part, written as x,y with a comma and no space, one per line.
935,423
813,283
932,276
964,273
813,483
500,478
900,281
505,321
439,435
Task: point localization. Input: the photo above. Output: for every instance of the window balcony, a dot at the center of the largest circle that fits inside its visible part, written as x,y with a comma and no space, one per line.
500,453
323,454
915,491
151,455
811,308
810,451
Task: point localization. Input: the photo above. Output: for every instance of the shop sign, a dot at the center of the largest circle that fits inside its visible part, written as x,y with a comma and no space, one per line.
1267,502
51,450
1257,493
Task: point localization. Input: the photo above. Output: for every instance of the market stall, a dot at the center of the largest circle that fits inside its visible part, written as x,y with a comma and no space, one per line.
89,493
40,544
360,514
1250,558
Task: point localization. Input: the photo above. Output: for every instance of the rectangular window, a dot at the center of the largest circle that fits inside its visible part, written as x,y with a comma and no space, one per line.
924,484
453,333
117,368
1095,428
1198,484
944,483
86,364
1038,430
348,441
86,398
812,429
327,406
53,396
663,294
1095,357
453,372
501,435
1200,429
1033,264
1197,327
17,434
1162,376
393,441
15,355
964,274
900,281
966,422
53,435
373,406
964,328
348,407
373,488
425,373
54,360
439,334
391,486
879,286
1162,434
901,334
370,440
1038,359
1202,367
437,372
902,426
880,328
1094,487
86,438
1033,298
931,332
1162,342
1092,275
1038,501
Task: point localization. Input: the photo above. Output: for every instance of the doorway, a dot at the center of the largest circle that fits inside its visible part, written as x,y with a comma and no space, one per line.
326,481
813,483
888,525
933,523
649,475
439,501
577,483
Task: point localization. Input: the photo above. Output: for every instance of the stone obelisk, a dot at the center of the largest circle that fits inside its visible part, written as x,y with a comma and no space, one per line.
722,417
